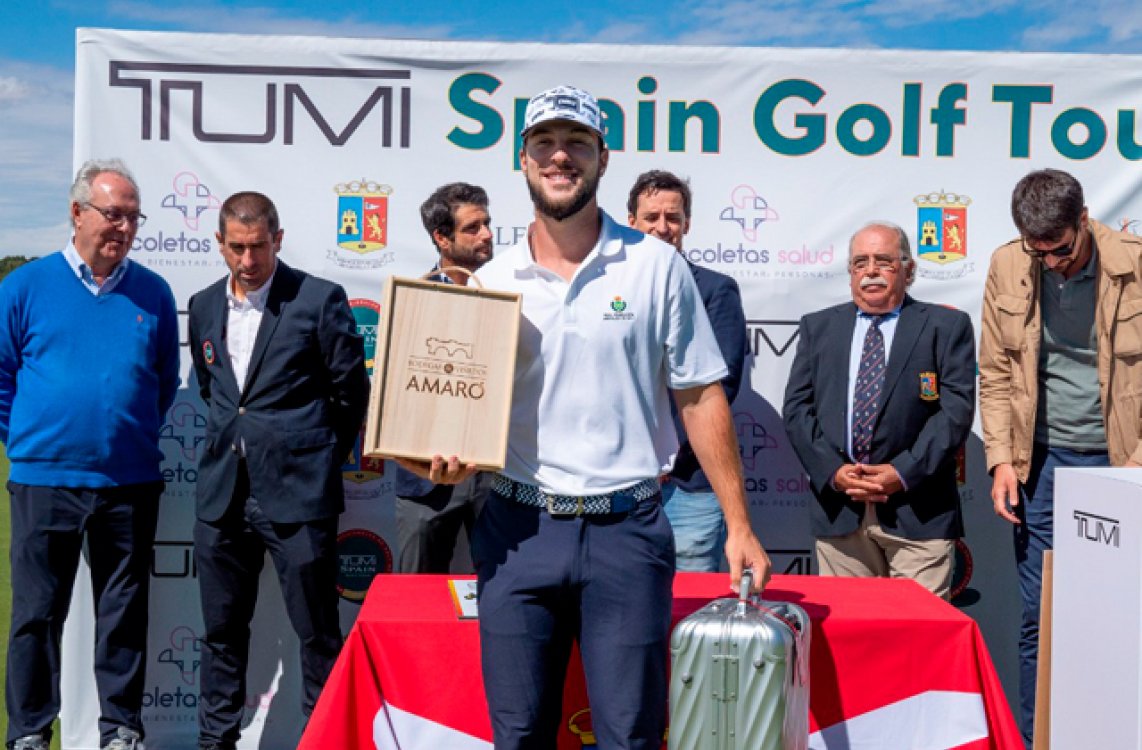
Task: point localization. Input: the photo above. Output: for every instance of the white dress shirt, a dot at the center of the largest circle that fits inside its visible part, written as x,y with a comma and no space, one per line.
243,319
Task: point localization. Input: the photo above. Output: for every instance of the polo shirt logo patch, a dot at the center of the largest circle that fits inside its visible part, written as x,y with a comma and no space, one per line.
618,310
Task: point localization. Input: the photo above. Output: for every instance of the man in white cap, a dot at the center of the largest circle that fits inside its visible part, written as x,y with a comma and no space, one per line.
573,544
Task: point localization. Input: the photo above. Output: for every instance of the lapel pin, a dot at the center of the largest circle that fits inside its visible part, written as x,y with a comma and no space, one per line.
208,351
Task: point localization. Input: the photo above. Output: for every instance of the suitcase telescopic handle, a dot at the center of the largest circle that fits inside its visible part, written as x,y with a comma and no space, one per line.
746,583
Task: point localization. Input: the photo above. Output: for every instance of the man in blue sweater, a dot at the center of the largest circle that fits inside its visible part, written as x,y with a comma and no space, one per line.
88,369
659,205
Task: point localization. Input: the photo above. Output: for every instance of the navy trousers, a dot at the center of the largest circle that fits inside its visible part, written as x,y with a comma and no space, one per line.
1033,537
548,581
229,555
49,525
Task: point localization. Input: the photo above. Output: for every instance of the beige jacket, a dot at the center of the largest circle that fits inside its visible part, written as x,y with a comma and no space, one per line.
1009,350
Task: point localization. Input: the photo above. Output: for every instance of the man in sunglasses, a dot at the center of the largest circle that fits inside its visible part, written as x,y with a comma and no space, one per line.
88,368
1059,371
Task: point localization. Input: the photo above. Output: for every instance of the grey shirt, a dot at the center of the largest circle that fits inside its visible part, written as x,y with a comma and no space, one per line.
1069,413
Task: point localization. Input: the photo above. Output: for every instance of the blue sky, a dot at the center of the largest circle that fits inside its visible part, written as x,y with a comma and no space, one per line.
37,51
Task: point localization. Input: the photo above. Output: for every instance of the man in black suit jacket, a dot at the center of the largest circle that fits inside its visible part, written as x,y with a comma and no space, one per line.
886,505
282,369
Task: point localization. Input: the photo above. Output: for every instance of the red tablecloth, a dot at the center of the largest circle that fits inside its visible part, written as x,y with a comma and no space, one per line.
891,667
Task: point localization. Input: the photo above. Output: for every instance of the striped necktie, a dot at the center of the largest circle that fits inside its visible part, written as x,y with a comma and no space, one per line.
866,394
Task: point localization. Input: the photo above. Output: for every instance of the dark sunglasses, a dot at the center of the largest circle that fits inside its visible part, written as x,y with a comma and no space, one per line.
1062,251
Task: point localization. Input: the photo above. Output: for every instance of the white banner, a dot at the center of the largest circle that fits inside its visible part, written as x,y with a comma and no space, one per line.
788,152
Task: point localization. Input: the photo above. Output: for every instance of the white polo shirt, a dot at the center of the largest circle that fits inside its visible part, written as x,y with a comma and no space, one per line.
590,407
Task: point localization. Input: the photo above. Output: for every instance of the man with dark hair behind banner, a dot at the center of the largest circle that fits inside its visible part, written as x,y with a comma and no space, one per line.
880,400
281,368
88,369
1059,372
659,205
430,516
572,544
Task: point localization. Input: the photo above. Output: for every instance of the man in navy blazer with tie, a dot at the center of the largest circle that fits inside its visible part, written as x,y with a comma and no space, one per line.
281,368
887,502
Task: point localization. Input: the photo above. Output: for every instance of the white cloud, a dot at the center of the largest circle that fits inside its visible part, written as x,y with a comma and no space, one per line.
784,22
35,128
12,88
34,240
1102,26
270,20
627,31
1098,26
912,13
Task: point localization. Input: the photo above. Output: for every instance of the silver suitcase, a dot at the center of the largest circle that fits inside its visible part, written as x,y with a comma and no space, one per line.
740,676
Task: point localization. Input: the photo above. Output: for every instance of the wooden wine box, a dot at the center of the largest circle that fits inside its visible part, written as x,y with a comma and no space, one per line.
442,381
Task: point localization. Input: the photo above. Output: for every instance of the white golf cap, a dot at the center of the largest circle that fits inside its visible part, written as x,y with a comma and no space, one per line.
563,103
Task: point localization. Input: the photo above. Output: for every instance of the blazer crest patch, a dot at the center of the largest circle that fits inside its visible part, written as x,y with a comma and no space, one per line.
929,390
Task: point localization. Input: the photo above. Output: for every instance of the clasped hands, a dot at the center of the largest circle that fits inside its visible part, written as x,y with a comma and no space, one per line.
871,482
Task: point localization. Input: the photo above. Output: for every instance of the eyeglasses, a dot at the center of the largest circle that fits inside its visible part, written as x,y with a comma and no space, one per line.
1062,251
882,263
115,216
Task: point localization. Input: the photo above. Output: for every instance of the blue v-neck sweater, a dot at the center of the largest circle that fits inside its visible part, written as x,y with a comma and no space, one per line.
85,381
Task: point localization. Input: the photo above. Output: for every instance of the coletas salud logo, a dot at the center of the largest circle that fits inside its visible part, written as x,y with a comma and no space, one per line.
741,253
181,235
192,198
362,225
749,210
181,657
745,214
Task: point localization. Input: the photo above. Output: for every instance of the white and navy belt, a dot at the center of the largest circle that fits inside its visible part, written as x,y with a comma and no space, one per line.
619,501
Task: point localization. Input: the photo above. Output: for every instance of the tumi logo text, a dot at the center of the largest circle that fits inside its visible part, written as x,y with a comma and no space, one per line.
1097,529
776,335
267,103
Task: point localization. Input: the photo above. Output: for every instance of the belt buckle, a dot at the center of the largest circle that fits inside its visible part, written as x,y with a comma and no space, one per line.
578,511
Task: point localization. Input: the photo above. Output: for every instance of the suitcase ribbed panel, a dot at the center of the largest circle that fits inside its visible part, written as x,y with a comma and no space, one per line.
734,679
